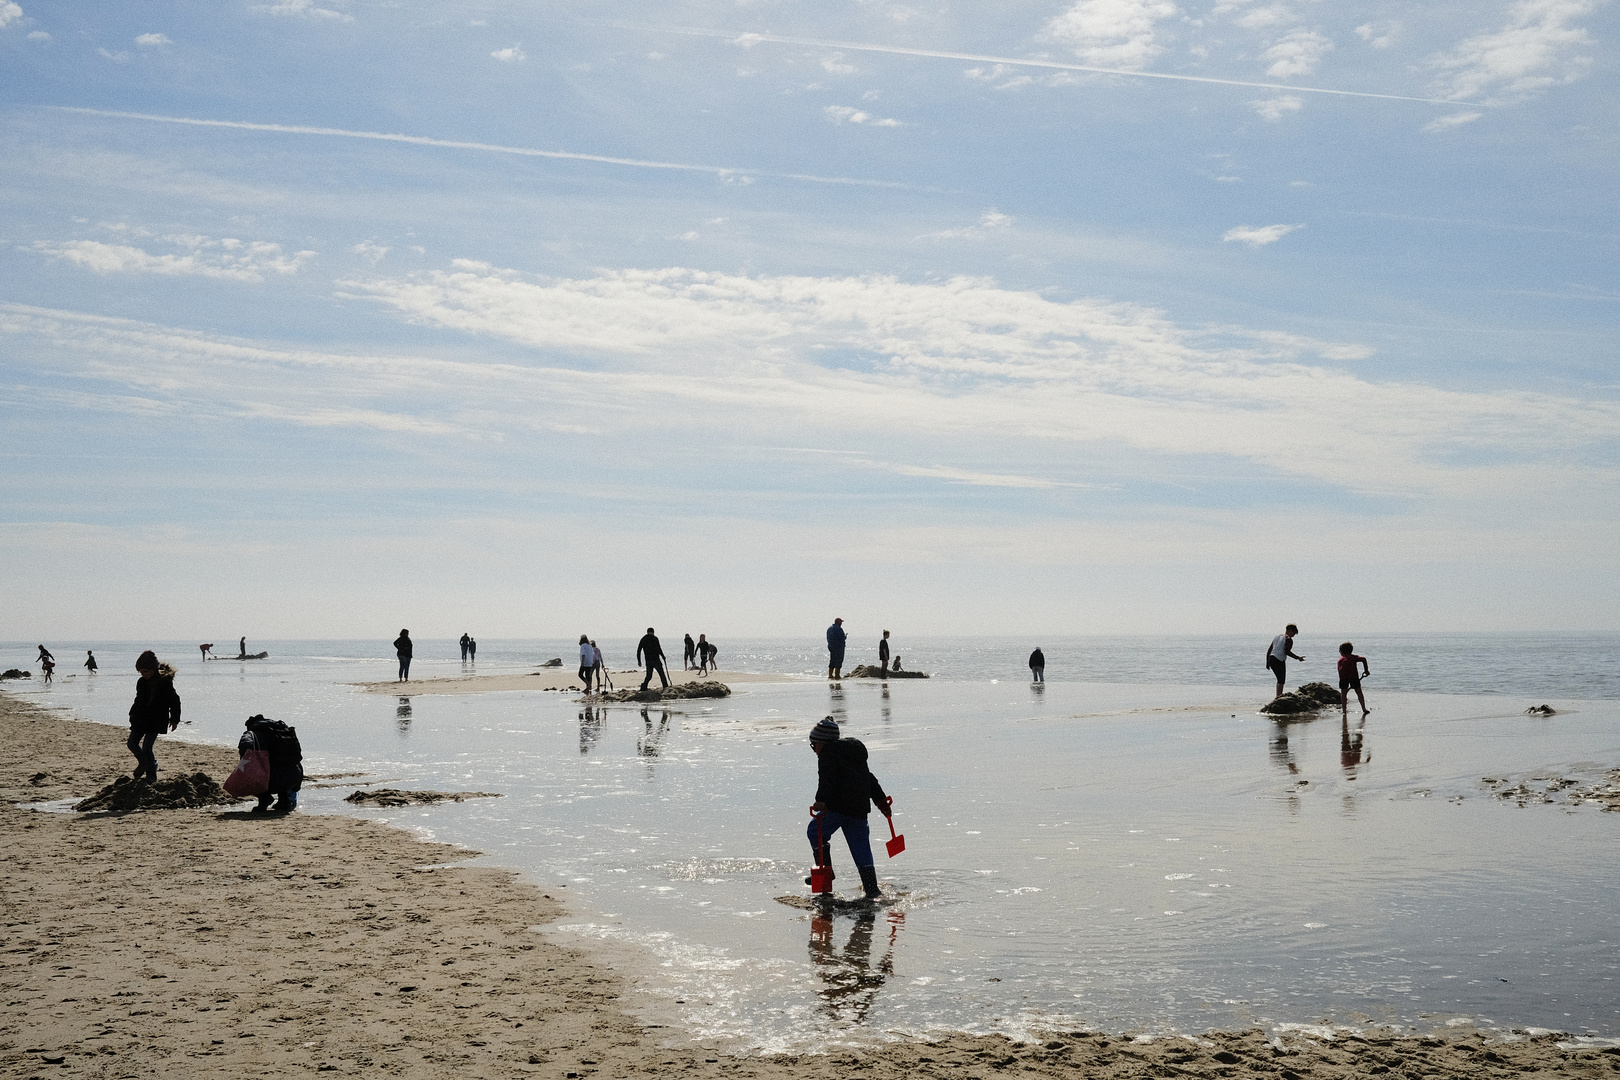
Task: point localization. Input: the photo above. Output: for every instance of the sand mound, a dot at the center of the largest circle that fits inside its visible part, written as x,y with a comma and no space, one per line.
867,671
124,794
1534,710
1308,698
555,661
401,797
669,693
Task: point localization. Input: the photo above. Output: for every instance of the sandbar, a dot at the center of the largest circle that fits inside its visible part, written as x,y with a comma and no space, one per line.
562,678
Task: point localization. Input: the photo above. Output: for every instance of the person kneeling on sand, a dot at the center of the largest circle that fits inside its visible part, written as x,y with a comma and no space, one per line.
1350,678
845,793
155,712
280,742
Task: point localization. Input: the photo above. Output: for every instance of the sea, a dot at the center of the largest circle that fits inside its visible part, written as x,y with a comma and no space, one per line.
1129,847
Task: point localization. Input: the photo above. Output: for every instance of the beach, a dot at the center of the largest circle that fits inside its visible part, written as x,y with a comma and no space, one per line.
220,943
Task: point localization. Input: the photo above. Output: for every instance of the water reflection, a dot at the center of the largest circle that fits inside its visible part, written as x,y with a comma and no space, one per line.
591,722
1038,689
402,713
1281,755
885,702
835,706
651,742
1352,750
849,980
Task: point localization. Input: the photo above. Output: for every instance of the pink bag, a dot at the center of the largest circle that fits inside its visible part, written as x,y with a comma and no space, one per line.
251,776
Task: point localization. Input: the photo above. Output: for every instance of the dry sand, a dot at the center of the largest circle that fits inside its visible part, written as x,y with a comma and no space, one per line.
552,679
201,943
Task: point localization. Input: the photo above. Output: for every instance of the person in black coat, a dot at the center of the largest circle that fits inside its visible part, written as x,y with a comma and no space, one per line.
846,791
156,711
280,742
1037,665
403,649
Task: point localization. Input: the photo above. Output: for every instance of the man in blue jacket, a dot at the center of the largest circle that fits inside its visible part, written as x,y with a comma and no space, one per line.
846,791
835,649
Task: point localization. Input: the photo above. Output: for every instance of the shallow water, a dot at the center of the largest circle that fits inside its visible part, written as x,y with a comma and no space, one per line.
1112,855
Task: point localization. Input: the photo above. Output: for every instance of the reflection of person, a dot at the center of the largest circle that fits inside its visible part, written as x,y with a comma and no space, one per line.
464,640
90,661
1037,665
835,649
1282,647
156,711
590,728
587,661
883,651
845,793
280,742
403,649
689,657
1350,744
650,652
1350,679
849,980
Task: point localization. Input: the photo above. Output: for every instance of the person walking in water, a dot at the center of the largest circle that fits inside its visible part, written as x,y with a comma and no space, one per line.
465,640
835,649
472,649
1037,665
1282,647
651,653
90,661
846,791
883,652
403,649
1350,678
587,661
689,657
156,711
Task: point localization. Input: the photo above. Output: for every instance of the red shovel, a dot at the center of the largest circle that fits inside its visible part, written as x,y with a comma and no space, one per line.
897,843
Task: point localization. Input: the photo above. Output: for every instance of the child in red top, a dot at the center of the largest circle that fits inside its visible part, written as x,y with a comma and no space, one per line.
1350,679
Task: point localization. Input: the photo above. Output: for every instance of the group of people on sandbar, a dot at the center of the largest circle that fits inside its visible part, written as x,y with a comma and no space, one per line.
838,638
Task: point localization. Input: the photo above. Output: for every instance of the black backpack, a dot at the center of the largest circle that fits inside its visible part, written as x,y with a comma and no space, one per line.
278,739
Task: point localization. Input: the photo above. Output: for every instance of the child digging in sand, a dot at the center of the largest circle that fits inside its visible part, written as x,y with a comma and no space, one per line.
1350,679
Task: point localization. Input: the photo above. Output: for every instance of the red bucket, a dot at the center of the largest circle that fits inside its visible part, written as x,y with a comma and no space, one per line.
821,875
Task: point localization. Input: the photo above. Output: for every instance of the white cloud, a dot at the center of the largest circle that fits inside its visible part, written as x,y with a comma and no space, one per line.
9,13
226,258
1534,51
1112,33
1378,35
1270,15
38,35
512,54
1296,53
990,221
841,114
1274,109
371,252
1259,237
119,57
152,41
305,9
1449,121
835,65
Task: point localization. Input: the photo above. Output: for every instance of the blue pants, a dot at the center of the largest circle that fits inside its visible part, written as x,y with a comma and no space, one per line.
140,744
856,834
404,667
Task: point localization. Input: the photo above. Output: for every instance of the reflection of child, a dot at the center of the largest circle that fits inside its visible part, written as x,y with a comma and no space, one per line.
1350,678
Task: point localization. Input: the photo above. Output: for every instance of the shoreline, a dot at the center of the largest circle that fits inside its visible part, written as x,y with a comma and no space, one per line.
563,678
222,943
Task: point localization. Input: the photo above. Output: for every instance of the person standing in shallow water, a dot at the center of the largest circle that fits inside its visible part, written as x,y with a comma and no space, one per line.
1037,665
846,791
651,653
403,649
1350,678
155,712
464,641
472,649
1282,647
90,661
835,649
883,652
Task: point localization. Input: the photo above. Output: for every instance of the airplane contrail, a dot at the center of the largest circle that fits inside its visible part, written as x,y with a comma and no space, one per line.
494,148
855,46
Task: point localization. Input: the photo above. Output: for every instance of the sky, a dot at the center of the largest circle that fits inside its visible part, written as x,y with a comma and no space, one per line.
319,318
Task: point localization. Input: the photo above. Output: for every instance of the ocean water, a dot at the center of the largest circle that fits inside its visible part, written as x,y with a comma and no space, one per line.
1130,848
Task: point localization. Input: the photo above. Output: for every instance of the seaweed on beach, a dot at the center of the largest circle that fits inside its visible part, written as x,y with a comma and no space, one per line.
868,671
16,673
181,792
402,797
669,693
1309,698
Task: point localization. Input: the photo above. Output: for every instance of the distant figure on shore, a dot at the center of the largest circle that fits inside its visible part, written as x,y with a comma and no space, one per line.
155,712
883,652
90,661
241,647
835,649
403,649
464,641
207,651
712,652
587,661
472,649
48,666
703,654
689,657
1350,678
280,742
651,653
846,791
1282,647
599,669
45,654
1037,665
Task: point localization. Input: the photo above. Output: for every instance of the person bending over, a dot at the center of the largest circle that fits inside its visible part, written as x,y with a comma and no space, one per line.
845,793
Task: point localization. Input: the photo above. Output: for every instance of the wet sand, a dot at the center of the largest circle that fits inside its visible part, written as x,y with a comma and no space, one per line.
208,943
563,678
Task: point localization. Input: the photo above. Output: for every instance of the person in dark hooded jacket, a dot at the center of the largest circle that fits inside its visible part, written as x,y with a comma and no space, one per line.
846,791
280,742
156,711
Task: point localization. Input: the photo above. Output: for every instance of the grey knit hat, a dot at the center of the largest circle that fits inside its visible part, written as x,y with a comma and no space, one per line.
825,731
